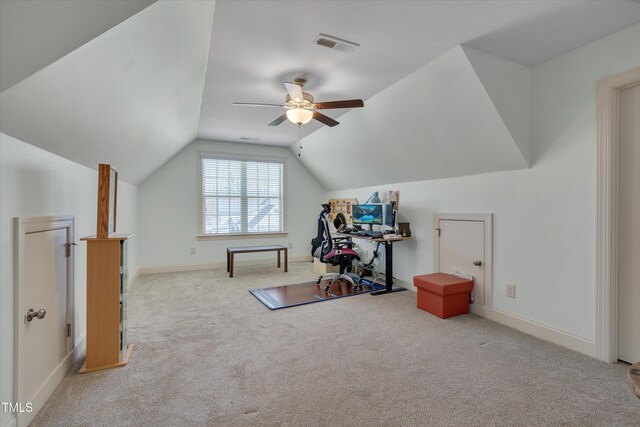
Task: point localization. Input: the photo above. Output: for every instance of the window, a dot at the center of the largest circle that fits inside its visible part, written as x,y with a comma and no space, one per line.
241,196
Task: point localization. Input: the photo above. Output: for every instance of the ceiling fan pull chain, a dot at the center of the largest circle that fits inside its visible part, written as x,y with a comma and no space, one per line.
299,140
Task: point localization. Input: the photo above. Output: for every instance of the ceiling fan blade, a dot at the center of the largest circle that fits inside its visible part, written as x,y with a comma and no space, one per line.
255,104
295,91
279,120
347,103
325,119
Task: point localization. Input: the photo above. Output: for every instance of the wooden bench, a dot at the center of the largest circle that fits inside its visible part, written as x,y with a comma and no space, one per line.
250,249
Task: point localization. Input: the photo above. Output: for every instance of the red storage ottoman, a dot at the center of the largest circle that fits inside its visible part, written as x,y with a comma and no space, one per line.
443,294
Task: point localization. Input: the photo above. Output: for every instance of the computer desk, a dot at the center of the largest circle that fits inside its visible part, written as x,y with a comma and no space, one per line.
388,259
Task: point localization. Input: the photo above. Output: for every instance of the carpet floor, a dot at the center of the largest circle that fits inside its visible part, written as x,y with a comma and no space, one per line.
209,354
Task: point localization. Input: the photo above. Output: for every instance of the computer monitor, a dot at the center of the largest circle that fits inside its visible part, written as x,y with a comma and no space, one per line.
366,214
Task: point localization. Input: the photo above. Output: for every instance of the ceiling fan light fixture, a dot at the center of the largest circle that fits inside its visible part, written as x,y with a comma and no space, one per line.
299,116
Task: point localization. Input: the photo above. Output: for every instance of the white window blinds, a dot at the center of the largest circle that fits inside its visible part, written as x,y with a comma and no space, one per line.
242,196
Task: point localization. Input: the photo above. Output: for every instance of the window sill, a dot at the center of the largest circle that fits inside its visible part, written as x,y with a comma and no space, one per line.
236,236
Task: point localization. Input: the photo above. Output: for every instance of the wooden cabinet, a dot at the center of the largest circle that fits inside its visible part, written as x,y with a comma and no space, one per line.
107,274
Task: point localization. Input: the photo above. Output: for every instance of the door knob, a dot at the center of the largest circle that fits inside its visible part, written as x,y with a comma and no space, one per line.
477,263
32,314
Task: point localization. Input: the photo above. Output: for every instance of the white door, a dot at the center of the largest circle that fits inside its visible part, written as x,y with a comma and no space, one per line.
44,340
629,227
461,247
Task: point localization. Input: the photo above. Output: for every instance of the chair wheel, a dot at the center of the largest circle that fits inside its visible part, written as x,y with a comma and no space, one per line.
355,288
326,288
318,281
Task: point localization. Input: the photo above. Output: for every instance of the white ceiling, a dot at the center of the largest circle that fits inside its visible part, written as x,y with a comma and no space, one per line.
135,94
35,33
256,45
130,97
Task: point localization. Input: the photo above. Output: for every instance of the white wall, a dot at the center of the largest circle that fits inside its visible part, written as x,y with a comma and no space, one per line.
130,97
509,86
50,30
544,217
169,209
443,120
34,182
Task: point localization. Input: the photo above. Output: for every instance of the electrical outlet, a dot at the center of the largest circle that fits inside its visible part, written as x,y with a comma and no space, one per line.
192,251
511,291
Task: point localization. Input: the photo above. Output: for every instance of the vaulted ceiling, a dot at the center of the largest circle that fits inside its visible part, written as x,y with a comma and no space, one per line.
133,82
256,45
35,33
129,97
465,113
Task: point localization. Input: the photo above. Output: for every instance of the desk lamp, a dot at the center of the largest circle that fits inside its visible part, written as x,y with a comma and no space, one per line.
374,198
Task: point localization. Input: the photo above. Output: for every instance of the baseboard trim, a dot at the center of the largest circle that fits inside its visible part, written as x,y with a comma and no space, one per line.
133,277
531,327
397,282
407,284
80,347
538,330
222,264
44,390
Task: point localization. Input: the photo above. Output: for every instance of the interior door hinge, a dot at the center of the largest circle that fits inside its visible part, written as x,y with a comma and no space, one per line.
67,252
68,329
439,230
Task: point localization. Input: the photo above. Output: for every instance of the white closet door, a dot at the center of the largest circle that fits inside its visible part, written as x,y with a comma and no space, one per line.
45,341
461,248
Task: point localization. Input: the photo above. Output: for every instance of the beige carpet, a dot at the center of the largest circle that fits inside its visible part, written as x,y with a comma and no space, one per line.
209,354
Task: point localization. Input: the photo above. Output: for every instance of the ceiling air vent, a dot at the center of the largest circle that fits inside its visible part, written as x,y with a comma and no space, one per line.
335,43
249,139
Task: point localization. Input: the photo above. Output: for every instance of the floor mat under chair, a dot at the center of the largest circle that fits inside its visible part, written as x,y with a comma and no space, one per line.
285,296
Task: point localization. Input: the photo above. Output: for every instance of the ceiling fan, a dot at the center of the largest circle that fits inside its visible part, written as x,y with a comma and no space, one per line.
301,107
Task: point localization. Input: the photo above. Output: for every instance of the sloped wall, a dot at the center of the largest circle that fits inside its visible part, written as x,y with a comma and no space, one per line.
438,122
509,86
35,33
34,182
544,217
130,97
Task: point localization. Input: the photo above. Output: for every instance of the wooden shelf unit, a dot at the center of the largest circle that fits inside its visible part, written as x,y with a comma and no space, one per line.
107,345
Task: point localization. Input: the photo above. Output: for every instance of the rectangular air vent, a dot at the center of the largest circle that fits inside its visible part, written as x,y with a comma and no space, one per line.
249,139
334,43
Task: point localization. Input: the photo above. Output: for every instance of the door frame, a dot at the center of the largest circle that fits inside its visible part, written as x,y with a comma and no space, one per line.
22,227
608,103
487,219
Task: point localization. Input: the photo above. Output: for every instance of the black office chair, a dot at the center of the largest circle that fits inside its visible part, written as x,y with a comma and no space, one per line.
336,251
